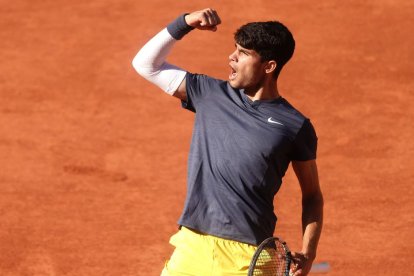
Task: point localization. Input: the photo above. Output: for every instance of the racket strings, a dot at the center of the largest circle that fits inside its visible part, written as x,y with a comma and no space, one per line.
272,260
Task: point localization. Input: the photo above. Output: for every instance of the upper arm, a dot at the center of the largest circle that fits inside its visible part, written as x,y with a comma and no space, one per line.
181,92
307,174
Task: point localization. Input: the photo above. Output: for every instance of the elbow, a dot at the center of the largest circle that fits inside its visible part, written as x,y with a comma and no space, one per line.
314,201
319,201
318,197
137,65
312,209
143,67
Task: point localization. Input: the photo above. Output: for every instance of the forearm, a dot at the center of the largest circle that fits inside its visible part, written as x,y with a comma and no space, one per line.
312,221
150,62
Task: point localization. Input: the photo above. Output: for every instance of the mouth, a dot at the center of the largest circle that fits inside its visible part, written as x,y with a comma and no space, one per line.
233,73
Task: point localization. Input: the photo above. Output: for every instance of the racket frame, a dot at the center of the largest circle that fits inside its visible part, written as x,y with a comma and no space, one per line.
264,244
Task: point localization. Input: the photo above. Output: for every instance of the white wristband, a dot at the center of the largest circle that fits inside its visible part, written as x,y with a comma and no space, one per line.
150,63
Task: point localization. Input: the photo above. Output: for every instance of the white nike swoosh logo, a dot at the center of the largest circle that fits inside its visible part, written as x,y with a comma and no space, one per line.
270,120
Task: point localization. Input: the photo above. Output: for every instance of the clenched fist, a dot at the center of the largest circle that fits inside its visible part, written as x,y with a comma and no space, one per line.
206,19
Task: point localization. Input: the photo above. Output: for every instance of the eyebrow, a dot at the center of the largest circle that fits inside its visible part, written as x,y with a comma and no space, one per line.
240,48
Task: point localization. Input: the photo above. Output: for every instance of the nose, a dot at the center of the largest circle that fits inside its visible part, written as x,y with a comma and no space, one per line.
233,56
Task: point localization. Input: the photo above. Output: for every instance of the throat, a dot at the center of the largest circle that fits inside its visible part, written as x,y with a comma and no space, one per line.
265,89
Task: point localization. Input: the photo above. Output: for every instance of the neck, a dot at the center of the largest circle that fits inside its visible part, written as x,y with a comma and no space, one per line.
264,91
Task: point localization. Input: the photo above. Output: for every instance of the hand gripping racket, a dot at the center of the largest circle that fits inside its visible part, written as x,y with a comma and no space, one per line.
272,258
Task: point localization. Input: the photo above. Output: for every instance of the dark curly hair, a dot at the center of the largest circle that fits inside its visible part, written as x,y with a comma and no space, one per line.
271,40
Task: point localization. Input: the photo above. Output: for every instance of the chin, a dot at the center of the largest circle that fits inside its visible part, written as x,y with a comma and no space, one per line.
235,84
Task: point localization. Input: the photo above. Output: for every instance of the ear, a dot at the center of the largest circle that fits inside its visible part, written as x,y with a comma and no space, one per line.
270,67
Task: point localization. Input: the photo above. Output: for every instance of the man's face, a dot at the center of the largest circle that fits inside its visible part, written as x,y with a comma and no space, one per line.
247,69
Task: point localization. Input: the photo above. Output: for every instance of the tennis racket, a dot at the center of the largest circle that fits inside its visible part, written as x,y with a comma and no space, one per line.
272,258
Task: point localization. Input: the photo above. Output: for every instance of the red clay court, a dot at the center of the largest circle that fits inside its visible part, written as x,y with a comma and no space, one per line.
93,157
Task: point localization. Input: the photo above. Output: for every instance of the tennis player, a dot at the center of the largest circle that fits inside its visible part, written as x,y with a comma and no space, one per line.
245,136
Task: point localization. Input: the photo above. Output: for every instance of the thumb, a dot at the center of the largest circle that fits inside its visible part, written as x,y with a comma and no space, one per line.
295,255
297,258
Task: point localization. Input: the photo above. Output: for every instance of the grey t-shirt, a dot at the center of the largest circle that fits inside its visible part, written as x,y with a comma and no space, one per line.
239,153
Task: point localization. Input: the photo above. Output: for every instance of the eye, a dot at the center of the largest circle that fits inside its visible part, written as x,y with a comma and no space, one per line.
243,52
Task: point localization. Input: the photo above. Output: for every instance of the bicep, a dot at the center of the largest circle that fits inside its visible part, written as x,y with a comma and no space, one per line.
181,92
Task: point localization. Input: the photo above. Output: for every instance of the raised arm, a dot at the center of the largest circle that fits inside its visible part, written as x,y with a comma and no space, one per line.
150,62
312,214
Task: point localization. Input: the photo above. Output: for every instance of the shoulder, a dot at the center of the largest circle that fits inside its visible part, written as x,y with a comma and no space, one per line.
305,139
287,107
203,85
291,117
194,78
200,87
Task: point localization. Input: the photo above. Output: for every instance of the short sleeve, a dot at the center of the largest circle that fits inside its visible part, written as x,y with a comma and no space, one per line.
305,143
197,86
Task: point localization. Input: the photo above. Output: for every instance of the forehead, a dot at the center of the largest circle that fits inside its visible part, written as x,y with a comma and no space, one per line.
239,47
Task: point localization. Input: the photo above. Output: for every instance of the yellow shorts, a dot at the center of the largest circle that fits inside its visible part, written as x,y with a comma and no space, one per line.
204,255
